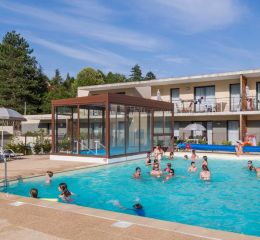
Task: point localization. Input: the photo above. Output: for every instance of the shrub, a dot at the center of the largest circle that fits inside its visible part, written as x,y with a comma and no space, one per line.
228,143
46,146
37,148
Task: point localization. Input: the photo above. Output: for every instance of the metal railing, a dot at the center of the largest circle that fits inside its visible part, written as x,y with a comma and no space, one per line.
201,105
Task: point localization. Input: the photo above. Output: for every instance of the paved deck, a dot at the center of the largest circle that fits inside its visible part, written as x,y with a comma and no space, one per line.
35,165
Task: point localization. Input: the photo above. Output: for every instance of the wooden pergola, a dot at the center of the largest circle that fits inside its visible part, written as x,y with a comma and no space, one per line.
137,115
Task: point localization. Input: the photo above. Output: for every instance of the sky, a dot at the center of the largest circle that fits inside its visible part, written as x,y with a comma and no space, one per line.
168,37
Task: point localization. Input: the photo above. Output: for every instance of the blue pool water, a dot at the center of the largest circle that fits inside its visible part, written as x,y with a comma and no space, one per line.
230,202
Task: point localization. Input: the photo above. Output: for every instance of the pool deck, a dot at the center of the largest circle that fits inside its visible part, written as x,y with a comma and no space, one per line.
27,218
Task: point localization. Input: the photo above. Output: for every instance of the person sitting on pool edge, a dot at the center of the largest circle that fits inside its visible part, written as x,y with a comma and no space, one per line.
170,175
156,172
34,193
148,159
65,193
49,175
192,167
137,173
168,167
205,173
239,147
194,156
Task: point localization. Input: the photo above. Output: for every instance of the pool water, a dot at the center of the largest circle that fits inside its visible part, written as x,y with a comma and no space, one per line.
230,201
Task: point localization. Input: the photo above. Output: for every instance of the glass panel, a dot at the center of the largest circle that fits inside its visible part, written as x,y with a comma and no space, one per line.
84,130
145,130
97,130
132,144
167,122
177,130
66,130
175,93
205,99
117,129
258,96
158,122
235,97
233,131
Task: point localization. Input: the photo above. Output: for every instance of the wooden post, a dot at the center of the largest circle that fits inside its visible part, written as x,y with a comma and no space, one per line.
243,83
243,127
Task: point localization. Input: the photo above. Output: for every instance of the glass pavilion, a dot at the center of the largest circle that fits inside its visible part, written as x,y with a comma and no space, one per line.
110,125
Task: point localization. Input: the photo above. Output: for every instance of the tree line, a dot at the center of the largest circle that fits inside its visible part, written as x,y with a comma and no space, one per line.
24,86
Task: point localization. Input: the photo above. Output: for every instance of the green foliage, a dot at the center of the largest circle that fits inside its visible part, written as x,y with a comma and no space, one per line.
64,144
37,147
150,76
136,73
18,146
202,141
57,79
225,142
21,80
87,77
115,78
68,82
46,146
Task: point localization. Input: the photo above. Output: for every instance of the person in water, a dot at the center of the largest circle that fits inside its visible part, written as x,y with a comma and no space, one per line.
65,193
49,175
158,153
171,156
137,173
194,156
156,172
34,193
205,161
186,157
205,173
168,167
250,166
192,167
148,159
138,209
170,175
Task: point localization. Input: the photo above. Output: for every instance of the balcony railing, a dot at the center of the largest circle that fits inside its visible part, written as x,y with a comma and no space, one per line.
201,105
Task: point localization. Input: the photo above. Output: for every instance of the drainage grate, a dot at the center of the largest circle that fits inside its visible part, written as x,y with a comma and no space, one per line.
122,224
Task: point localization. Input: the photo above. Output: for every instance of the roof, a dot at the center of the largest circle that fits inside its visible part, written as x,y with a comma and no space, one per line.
176,80
111,98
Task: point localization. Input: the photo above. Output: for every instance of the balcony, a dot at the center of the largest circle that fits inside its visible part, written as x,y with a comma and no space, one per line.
216,105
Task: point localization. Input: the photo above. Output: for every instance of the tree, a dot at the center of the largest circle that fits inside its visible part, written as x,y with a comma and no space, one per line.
115,78
21,79
150,76
68,82
87,77
57,79
136,73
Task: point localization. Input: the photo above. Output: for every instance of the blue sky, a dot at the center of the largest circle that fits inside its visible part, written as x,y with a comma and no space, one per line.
168,37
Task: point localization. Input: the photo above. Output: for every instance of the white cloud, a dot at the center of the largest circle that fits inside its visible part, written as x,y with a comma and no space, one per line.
173,59
196,15
107,59
85,27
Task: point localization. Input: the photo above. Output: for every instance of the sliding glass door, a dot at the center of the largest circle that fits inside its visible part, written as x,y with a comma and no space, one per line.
205,99
235,104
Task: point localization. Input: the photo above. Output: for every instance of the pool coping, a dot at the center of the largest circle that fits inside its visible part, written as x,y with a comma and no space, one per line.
187,230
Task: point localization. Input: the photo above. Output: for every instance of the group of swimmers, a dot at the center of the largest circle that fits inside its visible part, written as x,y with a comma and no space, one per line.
65,194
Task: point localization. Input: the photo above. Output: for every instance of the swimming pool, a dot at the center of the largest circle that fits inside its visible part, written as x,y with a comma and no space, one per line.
229,202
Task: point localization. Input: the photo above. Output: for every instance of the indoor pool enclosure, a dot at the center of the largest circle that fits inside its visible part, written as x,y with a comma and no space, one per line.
109,127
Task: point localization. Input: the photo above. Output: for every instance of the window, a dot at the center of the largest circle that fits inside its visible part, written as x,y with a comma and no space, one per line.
205,99
235,97
175,98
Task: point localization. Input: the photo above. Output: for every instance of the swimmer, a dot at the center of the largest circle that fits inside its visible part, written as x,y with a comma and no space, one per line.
205,161
148,159
137,173
250,166
168,168
170,175
171,156
49,175
138,209
156,172
192,167
65,193
34,193
205,173
194,156
186,157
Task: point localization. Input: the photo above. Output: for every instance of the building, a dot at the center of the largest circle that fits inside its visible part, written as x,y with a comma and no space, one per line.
108,127
226,104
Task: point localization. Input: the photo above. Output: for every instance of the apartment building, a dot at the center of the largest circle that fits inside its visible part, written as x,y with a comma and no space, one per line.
226,104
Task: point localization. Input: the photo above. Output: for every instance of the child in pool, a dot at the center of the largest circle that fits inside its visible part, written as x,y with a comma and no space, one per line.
194,156
205,161
168,168
34,193
205,173
148,159
49,175
65,193
171,156
156,172
137,173
186,157
192,167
